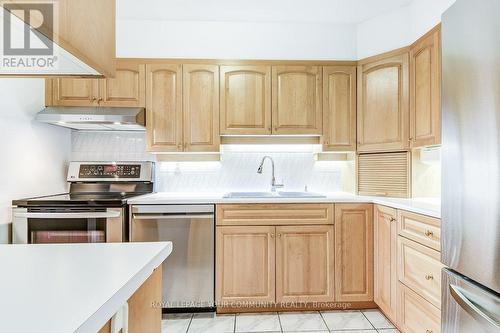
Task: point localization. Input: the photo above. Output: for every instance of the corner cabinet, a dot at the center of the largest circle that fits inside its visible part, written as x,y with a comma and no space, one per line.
339,108
182,108
126,89
425,90
164,107
385,259
297,100
245,93
383,104
353,252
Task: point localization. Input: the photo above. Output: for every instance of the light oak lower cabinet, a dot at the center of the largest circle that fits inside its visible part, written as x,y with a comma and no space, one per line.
245,265
304,262
415,314
353,252
385,258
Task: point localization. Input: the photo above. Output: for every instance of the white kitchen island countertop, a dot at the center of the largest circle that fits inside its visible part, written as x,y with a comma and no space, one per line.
426,206
63,288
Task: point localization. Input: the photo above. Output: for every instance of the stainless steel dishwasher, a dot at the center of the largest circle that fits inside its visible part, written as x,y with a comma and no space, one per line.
188,273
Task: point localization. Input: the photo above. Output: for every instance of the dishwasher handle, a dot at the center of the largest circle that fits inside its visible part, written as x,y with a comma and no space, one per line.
138,216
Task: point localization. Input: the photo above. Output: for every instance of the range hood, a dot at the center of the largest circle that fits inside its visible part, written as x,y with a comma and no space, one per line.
94,118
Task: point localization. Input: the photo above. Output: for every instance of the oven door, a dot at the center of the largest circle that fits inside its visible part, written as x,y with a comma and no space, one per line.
67,225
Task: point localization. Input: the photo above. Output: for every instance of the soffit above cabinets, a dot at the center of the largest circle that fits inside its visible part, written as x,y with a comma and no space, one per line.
66,38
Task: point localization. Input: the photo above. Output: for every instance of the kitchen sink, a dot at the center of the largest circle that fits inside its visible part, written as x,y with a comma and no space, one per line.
281,194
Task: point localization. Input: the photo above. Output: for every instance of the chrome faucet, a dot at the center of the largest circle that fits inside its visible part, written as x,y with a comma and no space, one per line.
274,186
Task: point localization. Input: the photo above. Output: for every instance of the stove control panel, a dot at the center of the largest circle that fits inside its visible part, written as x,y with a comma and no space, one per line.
109,171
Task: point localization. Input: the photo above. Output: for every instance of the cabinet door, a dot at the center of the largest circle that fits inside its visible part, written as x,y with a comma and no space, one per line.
383,105
385,250
339,108
415,314
74,92
304,264
425,90
353,252
245,264
127,88
164,107
201,107
245,93
297,100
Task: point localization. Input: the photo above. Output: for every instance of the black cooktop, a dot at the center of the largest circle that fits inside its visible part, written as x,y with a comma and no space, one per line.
77,200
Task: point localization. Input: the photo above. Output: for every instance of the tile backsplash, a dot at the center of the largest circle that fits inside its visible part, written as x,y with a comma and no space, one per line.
237,170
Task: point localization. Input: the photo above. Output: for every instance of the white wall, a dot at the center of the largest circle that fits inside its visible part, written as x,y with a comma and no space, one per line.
235,40
33,156
399,27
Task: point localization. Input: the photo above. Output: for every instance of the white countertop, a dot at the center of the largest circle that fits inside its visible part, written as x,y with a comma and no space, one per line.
63,288
425,206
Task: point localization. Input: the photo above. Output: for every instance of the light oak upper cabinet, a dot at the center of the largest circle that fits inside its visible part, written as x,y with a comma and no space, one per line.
164,107
201,107
245,264
353,252
304,264
73,92
383,104
385,251
425,90
297,101
245,93
127,88
339,108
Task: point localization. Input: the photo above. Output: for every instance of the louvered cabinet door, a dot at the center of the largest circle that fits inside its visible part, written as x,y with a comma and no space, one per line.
201,108
164,107
384,174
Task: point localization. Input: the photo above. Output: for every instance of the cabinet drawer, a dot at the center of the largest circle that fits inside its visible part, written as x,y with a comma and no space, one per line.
274,214
416,315
422,229
420,270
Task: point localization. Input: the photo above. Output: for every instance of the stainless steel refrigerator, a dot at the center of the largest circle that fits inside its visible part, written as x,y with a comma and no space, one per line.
470,156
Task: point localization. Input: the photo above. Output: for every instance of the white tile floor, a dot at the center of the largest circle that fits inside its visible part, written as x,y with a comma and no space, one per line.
365,321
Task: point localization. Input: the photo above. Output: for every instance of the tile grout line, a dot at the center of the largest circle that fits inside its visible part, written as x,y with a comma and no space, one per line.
279,320
368,320
324,321
234,324
190,320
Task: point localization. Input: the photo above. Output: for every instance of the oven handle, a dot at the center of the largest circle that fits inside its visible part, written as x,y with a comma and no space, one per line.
171,216
88,215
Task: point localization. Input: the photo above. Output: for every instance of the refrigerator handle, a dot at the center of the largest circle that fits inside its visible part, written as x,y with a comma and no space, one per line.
472,309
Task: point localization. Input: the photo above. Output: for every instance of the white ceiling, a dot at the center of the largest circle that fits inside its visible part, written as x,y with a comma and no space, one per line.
332,11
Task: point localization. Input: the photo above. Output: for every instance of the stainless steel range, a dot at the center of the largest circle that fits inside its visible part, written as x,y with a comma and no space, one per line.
94,210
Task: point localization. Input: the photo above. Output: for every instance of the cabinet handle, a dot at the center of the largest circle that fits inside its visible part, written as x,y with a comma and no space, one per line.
99,100
393,219
429,277
429,233
93,99
279,235
272,235
179,146
428,331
